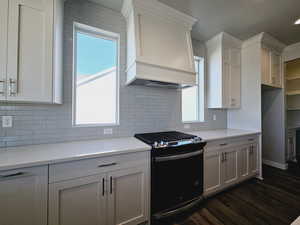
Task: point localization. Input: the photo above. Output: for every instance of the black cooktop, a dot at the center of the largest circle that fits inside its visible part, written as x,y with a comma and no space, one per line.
169,136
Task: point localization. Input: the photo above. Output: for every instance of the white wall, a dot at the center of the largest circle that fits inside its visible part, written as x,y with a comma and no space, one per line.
273,125
142,109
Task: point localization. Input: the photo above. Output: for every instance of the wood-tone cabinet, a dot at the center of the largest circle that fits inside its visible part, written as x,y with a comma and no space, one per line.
112,194
271,66
30,58
23,196
224,71
228,163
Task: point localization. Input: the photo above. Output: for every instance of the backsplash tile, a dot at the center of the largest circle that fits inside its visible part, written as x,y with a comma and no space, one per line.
142,109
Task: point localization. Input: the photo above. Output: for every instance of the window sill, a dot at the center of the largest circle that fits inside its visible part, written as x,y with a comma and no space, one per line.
192,122
96,125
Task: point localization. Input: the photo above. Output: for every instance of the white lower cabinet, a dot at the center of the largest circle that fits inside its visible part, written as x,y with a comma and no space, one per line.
253,158
212,171
118,194
243,161
230,166
127,204
78,202
226,164
23,196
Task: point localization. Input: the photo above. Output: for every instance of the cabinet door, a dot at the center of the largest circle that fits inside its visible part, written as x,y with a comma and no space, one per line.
128,196
226,78
230,167
276,69
265,66
253,159
212,171
235,78
30,42
23,196
243,161
3,46
79,201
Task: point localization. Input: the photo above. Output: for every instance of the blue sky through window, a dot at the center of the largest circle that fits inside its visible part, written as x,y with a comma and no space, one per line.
94,54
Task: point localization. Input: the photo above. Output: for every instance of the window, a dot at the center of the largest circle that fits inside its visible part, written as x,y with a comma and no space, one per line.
193,97
95,77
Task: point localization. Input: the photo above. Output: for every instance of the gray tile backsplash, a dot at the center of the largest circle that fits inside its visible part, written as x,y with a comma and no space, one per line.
142,109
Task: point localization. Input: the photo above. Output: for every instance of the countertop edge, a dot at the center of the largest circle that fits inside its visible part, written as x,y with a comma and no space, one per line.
73,158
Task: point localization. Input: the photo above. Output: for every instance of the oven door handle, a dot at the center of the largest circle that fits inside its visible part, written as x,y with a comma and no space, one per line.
180,156
174,212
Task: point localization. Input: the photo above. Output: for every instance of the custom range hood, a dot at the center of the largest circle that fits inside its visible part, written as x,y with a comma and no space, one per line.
159,46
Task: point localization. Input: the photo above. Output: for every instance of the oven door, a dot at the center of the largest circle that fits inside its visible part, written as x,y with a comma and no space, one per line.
176,179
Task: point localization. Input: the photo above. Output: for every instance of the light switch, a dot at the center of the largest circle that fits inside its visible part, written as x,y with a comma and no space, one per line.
7,121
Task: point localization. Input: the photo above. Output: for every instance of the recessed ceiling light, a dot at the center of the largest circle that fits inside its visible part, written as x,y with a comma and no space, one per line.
297,22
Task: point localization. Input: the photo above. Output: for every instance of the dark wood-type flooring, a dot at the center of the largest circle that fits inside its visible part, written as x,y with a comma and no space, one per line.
273,201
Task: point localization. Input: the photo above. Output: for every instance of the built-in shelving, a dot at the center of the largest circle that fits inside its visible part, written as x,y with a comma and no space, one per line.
295,92
292,76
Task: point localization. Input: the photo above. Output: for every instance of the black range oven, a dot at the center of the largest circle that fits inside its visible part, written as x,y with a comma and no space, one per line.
176,172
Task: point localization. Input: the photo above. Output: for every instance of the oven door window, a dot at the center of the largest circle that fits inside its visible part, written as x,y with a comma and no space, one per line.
176,181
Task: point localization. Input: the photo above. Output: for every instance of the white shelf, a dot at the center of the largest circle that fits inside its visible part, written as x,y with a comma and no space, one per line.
297,92
292,109
292,77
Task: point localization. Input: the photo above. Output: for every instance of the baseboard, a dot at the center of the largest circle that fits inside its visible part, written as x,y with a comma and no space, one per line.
282,166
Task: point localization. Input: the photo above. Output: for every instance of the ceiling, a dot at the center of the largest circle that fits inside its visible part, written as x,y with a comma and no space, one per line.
241,18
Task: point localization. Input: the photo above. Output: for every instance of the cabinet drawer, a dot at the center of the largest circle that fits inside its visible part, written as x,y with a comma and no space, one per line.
87,167
230,142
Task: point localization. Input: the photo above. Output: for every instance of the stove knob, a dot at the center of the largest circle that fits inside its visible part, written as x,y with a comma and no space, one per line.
162,144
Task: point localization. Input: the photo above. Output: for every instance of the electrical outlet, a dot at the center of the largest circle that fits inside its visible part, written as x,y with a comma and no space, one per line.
186,126
7,121
214,117
107,131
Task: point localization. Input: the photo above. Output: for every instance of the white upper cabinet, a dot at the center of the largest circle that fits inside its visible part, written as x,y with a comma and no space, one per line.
271,66
3,46
224,71
268,50
159,44
34,72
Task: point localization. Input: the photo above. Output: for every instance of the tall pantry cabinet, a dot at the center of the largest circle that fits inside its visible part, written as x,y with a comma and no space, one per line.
30,50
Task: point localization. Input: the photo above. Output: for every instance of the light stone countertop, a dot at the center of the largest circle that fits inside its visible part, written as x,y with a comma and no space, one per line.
213,135
37,155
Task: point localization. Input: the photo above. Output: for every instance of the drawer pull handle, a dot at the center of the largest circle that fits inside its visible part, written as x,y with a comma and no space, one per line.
251,139
103,187
224,144
12,175
106,165
111,185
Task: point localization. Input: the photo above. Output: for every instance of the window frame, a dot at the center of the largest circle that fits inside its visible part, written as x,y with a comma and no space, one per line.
200,93
96,32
